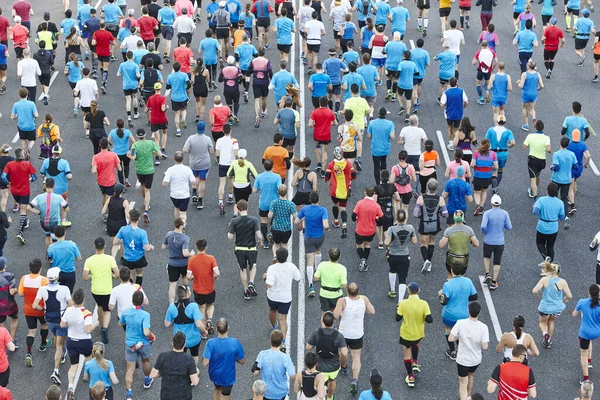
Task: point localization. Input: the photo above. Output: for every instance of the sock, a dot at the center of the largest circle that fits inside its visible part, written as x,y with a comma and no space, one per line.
415,353
367,251
337,106
499,177
330,104
547,65
246,86
467,18
104,76
221,202
29,343
129,114
568,20
361,252
135,110
425,22
401,291
344,216
310,271
264,229
586,377
44,335
317,259
394,87
408,366
479,91
456,74
392,279
462,21
336,212
424,253
138,280
430,252
388,84
23,221
56,370
291,153
450,344
420,21
194,192
494,184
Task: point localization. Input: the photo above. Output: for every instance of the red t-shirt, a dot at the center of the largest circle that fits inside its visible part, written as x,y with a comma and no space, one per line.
367,210
146,25
4,340
182,55
323,117
103,40
18,175
553,34
22,9
106,162
220,115
4,25
157,115
5,394
201,265
20,35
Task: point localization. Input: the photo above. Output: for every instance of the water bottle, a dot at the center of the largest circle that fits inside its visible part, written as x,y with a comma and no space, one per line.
137,346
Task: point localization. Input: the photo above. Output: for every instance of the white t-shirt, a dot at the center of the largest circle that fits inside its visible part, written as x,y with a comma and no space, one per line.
77,318
413,137
470,334
454,37
304,16
280,277
121,296
28,69
62,294
597,238
226,145
485,56
180,176
130,42
87,89
313,29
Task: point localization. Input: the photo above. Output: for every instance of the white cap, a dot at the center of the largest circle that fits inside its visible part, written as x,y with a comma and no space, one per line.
17,18
222,4
242,153
231,60
446,45
53,273
400,1
131,11
496,200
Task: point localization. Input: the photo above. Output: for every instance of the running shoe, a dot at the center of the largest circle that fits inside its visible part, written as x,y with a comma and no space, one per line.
461,28
548,74
127,184
590,366
402,111
136,116
380,245
214,84
311,290
493,285
451,354
595,79
128,395
230,199
16,207
3,87
567,223
246,294
282,348
530,193
310,71
71,394
221,209
322,174
344,233
113,58
318,168
252,290
267,46
336,223
104,217
197,119
406,120
104,335
467,24
65,223
354,386
517,31
178,133
156,160
388,96
546,341
410,381
392,294
245,97
263,113
45,100
450,146
270,237
209,327
487,279
146,217
75,111
129,122
416,368
357,165
194,199
55,378
572,210
480,101
424,31
362,265
344,371
148,382
525,127
478,211
28,360
21,238
44,347
257,123
200,204
203,336
183,124
419,28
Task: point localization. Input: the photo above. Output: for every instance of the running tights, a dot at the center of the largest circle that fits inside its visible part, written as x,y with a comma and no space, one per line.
124,168
379,164
597,272
545,244
427,252
485,20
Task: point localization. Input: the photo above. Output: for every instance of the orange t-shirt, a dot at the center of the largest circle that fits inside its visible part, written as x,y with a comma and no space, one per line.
237,37
597,44
183,55
278,154
28,287
201,266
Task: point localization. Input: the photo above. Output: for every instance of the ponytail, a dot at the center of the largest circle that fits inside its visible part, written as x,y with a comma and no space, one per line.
241,162
98,353
518,325
458,155
94,108
594,293
377,391
120,125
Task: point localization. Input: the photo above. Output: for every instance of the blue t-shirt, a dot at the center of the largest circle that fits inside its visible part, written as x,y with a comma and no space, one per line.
83,13
575,122
519,6
447,61
589,328
287,122
349,30
525,40
267,183
350,79
583,28
123,33
350,56
457,189
319,84
494,222
578,148
368,395
234,8
61,183
248,19
134,241
313,215
573,4
421,58
211,8
166,16
3,54
499,143
130,71
112,12
191,331
380,130
370,76
275,367
178,82
333,67
245,52
67,24
400,16
97,374
457,290
284,30
362,16
383,9
137,56
407,69
75,75
136,320
63,254
280,80
394,52
25,110
210,49
550,210
566,160
120,145
223,354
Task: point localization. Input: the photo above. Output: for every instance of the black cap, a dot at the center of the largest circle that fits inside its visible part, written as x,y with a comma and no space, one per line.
46,16
140,132
99,242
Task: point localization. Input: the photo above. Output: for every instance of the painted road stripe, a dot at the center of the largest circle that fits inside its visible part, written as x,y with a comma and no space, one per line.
490,304
412,44
51,82
443,146
16,138
594,168
98,5
591,129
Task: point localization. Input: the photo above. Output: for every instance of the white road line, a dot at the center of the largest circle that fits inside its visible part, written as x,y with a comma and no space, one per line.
491,309
98,5
16,138
412,44
51,81
443,146
594,168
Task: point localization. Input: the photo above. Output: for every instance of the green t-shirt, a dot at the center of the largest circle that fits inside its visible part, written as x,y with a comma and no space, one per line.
144,156
332,275
537,145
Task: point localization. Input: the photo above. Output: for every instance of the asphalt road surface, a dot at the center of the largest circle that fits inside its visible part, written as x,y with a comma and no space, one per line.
557,369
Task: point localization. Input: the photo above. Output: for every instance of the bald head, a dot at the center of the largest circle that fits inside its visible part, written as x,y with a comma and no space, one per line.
222,326
353,289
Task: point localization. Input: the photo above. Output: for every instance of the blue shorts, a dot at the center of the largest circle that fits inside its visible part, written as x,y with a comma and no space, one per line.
498,102
502,157
201,174
378,62
527,99
143,353
417,81
181,204
457,58
56,329
576,171
448,322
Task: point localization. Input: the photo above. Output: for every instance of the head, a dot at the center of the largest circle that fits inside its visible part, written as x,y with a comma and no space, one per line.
137,298
432,185
278,139
267,165
474,309
79,297
576,106
484,148
179,341
528,24
276,337
518,324
281,255
519,352
140,133
328,319
564,142
576,135
553,21
23,93
57,150
259,388
382,112
587,390
375,380
401,216
222,326
124,274
310,360
322,99
453,82
332,52
242,205
5,149
539,126
334,254
283,63
366,58
550,269
53,393
413,288
452,24
338,153
531,64
201,244
313,197
396,36
384,176
496,201
119,189
459,215
134,215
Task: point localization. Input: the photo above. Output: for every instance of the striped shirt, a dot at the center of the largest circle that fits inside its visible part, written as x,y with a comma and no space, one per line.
484,165
513,380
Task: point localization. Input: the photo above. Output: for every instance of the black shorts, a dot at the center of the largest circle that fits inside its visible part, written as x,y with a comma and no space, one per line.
86,110
328,304
113,28
225,390
339,202
263,213
406,92
314,48
423,4
323,142
26,135
535,166
281,308
107,190
284,48
202,299
496,250
349,154
217,135
242,193
194,350
178,105
574,12
67,279
222,33
336,34
360,239
167,32
45,79
21,199
104,59
181,204
354,344
14,315
32,322
481,183
159,127
445,11
405,197
409,343
231,97
246,258
464,8
4,377
550,54
301,199
516,15
281,236
141,263
176,272
579,44
398,262
289,142
546,19
186,36
483,76
223,170
260,90
335,89
19,52
145,180
102,301
315,101
392,74
75,348
584,344
263,22
463,371
454,123
3,67
129,92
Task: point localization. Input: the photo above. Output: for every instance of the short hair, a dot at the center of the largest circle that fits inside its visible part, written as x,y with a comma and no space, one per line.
281,254
178,223
59,231
313,197
276,338
452,23
222,326
182,291
282,190
539,125
124,274
134,215
98,391
283,63
130,55
104,143
278,137
311,359
328,319
334,254
182,39
208,32
268,163
564,142
587,389
242,205
552,189
453,81
576,107
528,24
370,191
457,268
53,393
50,183
259,388
322,101
474,309
519,350
35,266
137,298
99,243
179,340
352,289
78,296
177,66
349,114
23,93
201,244
42,43
354,88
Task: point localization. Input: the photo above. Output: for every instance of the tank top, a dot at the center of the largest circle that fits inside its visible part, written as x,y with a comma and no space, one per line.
430,220
352,319
289,6
429,159
552,298
378,45
308,384
465,144
304,185
530,87
508,351
53,312
500,87
221,17
116,213
200,82
367,35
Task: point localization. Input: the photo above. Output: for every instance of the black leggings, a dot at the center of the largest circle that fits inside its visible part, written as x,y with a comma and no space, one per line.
545,244
563,189
213,72
124,168
97,134
232,98
423,181
379,164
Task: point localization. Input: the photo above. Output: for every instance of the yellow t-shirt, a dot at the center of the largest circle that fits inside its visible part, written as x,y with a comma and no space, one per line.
46,36
360,108
100,267
445,4
413,311
333,276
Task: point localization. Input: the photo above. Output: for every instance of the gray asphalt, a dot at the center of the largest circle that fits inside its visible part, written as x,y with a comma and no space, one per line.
248,319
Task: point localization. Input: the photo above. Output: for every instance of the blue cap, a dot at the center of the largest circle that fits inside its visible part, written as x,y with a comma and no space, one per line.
413,287
553,21
586,12
200,127
460,171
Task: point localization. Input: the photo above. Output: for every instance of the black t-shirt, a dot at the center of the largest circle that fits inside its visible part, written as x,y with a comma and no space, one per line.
244,227
385,198
175,369
153,9
96,121
155,57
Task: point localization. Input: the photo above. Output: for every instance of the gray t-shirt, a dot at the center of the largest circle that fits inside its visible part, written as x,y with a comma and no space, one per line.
401,236
199,146
328,364
177,242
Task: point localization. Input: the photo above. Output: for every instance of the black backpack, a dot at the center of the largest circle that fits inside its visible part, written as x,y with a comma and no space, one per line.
402,179
150,78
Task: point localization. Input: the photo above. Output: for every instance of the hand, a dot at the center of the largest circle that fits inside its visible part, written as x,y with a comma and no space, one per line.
10,220
440,293
264,276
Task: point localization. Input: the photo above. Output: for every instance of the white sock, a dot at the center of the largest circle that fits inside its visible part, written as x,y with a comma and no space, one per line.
317,260
425,22
419,21
310,270
392,278
401,291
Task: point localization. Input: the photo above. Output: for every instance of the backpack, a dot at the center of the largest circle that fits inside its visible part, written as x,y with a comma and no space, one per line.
326,348
402,179
52,169
365,7
150,78
46,134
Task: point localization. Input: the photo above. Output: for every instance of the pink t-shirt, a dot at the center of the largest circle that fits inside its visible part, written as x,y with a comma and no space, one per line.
453,165
410,170
22,9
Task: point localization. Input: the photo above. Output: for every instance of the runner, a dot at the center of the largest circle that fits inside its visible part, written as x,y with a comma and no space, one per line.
486,60
550,210
280,212
588,329
500,84
142,152
100,373
122,294
284,27
28,288
179,177
386,195
166,18
564,162
9,306
312,32
226,151
262,9
310,383
454,100
25,112
260,69
200,148
304,180
367,213
49,207
279,155
87,91
63,254
514,376
526,41
60,170
288,120
101,42
485,169
334,67
115,209
575,121
104,164
178,244
179,83
27,70
494,222
530,83
322,118
429,160
552,39
583,160
381,132
510,340
539,145
429,208
394,52
339,187
267,183
586,391
407,70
